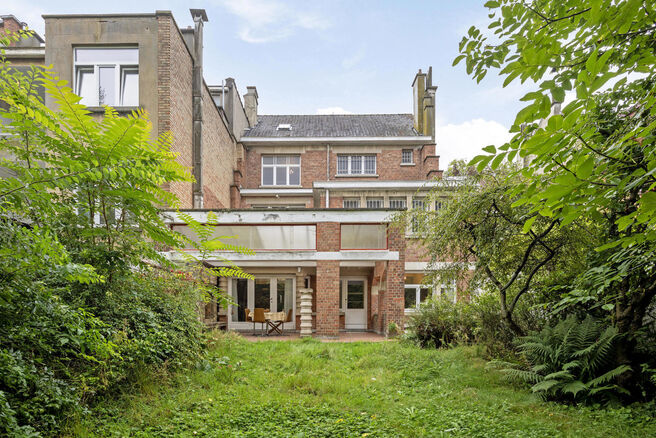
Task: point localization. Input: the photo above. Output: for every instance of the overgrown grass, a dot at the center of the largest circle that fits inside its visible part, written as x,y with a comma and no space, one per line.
308,388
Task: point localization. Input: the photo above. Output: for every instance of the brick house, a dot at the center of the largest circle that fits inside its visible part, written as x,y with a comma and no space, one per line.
313,195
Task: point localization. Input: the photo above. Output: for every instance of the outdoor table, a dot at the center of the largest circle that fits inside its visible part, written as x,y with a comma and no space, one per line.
274,321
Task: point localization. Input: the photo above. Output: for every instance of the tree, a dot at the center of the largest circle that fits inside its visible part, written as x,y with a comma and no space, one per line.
477,228
598,154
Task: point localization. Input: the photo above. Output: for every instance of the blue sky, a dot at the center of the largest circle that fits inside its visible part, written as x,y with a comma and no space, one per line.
359,56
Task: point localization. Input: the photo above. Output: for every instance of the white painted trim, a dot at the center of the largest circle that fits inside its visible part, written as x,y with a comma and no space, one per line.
276,191
424,266
287,216
258,141
364,185
24,52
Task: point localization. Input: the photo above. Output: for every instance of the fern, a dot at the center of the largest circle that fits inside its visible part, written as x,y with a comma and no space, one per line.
574,360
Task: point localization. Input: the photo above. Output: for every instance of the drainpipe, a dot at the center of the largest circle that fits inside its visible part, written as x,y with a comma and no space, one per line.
327,174
199,16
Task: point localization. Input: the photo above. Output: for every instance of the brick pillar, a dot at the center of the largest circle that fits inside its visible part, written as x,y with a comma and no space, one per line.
394,296
327,295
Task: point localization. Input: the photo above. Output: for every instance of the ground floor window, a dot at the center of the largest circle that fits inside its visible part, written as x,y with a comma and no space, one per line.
415,294
273,294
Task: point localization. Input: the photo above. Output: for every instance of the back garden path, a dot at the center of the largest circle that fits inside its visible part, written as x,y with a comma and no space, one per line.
305,388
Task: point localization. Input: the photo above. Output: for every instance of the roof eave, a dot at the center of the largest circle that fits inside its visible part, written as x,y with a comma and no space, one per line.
275,141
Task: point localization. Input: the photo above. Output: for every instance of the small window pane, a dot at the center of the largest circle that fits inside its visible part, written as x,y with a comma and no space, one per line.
267,176
355,295
410,297
423,294
267,159
342,164
406,156
281,159
438,205
86,86
356,164
370,164
418,203
281,176
130,87
294,176
106,86
295,159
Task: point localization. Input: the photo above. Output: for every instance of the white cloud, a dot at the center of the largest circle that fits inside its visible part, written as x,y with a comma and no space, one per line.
332,110
263,21
25,12
465,140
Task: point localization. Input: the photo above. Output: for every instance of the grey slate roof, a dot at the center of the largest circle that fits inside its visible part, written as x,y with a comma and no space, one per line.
335,125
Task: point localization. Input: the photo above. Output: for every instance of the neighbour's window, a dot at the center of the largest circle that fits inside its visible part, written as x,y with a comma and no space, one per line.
374,202
406,156
356,164
448,291
438,205
418,203
351,203
398,203
281,170
107,76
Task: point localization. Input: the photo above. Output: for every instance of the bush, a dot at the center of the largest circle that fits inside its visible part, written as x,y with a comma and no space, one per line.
571,361
442,323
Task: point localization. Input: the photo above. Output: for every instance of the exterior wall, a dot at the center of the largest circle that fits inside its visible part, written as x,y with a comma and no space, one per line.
313,163
394,298
175,104
217,156
327,291
415,251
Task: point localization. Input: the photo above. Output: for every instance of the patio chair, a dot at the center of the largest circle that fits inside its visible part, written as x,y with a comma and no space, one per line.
258,316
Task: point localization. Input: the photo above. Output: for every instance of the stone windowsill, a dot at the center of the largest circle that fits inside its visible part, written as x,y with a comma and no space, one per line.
280,187
408,164
356,176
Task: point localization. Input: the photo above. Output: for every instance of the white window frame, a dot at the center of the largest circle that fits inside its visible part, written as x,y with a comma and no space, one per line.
417,288
275,166
352,168
355,201
451,286
403,156
118,74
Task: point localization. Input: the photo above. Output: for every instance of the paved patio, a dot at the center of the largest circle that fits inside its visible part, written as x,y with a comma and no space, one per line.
343,337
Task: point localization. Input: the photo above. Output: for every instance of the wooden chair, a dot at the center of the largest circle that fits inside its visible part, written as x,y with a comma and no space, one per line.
248,315
258,316
289,315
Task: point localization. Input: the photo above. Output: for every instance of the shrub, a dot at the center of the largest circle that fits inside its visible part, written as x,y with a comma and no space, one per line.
441,323
571,361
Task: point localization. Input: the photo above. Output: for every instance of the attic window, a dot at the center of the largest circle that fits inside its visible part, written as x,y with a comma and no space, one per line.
284,127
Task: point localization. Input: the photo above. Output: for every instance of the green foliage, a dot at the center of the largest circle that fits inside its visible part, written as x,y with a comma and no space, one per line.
479,228
83,312
383,389
593,161
442,323
573,360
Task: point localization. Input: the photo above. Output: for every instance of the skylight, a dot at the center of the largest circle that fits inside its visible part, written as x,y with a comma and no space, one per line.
284,127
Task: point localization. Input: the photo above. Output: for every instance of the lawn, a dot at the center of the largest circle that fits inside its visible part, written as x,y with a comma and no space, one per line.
312,389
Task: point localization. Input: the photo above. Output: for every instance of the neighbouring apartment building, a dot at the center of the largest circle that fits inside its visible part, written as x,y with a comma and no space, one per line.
313,195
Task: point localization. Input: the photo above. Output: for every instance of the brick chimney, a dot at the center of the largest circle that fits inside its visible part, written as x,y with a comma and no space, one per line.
250,104
423,92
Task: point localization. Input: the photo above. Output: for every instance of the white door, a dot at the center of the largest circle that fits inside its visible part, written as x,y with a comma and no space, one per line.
353,293
273,293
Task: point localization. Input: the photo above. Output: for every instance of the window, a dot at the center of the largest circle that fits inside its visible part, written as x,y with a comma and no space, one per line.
418,203
363,236
415,295
351,203
281,170
448,291
406,156
263,237
438,205
107,76
374,202
356,164
398,203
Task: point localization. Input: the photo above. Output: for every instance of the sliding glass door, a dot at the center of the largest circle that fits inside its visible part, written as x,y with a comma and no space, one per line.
274,294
